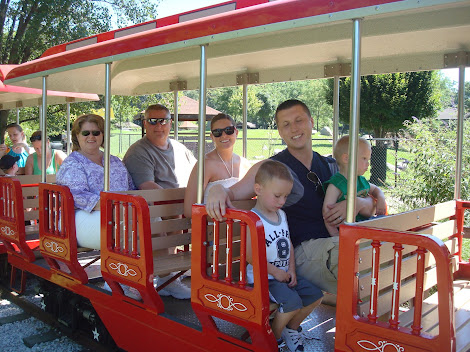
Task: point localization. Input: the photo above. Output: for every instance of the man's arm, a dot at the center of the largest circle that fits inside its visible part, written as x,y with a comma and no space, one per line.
218,197
150,185
331,196
337,212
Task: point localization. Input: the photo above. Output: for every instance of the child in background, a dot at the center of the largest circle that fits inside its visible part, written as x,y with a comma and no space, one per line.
336,187
296,296
19,146
8,164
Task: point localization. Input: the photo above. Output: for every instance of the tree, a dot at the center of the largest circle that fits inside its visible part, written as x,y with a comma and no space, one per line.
29,27
466,100
447,90
311,92
429,176
388,100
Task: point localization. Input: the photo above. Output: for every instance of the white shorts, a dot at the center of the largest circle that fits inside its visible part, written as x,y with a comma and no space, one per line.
87,226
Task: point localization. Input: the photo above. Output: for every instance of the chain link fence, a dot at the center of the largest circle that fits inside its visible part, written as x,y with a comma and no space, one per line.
388,157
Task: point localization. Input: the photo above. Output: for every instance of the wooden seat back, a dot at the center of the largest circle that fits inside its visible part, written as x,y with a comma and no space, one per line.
168,229
127,242
393,262
226,295
58,240
19,203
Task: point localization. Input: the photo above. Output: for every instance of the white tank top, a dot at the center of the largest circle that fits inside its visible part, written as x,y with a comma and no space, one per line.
277,243
226,182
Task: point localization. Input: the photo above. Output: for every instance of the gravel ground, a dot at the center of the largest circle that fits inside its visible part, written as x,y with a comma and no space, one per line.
12,334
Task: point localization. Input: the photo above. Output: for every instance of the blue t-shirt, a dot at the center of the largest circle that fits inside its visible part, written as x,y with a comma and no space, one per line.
305,217
23,156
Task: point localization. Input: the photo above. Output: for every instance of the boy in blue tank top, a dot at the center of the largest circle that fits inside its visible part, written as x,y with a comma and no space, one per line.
296,296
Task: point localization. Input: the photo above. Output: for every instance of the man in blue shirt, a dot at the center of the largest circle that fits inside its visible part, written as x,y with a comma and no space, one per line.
316,252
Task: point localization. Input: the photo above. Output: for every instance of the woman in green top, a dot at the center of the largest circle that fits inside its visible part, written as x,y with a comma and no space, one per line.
54,157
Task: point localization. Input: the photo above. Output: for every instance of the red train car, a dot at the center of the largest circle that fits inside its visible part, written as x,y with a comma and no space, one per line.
383,262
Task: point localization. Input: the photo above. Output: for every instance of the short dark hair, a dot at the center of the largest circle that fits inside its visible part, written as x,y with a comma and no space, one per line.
291,103
222,116
15,125
270,169
156,107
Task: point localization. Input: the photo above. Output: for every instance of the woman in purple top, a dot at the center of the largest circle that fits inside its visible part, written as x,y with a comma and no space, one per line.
82,171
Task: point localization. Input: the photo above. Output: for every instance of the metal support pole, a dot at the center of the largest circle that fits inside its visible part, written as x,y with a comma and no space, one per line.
40,114
245,118
202,124
354,119
459,146
43,127
67,137
176,113
335,110
107,125
18,116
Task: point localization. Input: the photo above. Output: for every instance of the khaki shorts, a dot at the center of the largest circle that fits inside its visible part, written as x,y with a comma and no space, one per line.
317,261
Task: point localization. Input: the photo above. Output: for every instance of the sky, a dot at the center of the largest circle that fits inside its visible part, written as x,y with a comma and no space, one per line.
172,7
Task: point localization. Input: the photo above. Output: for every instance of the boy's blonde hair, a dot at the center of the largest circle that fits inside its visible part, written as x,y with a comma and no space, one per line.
342,147
271,169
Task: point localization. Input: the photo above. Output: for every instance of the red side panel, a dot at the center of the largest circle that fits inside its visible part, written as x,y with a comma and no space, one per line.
58,240
12,223
354,333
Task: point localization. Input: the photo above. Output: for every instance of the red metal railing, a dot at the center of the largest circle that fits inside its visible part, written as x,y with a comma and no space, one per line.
227,295
354,332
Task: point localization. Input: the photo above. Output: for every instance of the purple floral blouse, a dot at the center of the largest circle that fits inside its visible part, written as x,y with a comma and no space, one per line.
86,179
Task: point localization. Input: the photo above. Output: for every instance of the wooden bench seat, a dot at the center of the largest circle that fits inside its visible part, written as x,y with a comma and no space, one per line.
398,286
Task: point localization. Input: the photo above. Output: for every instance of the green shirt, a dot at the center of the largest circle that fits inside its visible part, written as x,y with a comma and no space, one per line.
52,169
340,182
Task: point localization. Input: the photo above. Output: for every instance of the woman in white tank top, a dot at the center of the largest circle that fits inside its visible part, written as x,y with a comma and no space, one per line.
221,165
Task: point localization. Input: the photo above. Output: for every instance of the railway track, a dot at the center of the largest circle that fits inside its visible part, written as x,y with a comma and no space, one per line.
24,326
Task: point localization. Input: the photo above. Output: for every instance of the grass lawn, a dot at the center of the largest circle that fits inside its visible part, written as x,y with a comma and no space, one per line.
261,145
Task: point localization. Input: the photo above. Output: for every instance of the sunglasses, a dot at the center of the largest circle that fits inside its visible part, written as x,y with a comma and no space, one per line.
87,133
313,177
228,131
35,138
162,122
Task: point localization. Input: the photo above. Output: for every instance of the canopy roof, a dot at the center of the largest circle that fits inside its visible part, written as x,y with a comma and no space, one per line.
16,97
280,41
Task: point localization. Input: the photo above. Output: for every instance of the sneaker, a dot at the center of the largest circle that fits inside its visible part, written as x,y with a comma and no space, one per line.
130,292
292,339
280,343
176,289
